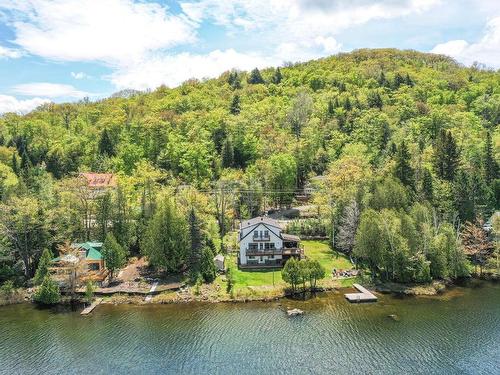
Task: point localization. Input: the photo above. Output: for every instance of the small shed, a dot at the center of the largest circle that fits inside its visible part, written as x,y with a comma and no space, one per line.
219,262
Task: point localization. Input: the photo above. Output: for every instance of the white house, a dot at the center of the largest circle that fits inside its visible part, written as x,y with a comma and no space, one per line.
263,244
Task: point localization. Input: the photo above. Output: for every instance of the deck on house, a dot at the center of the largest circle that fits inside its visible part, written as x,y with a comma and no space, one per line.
364,295
89,309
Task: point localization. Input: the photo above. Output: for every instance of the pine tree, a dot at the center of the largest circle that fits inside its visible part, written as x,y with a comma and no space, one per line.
404,171
446,156
331,110
113,253
235,109
48,293
375,100
409,81
227,153
464,200
195,242
15,164
207,266
25,162
347,104
277,77
43,266
490,164
427,186
382,81
106,146
398,81
255,77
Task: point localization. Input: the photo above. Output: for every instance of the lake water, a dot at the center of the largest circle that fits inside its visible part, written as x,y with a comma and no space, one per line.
458,333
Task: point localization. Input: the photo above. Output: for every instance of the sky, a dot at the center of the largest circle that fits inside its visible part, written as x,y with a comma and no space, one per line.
65,50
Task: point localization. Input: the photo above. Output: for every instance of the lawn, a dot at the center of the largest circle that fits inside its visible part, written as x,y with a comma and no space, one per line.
321,251
318,250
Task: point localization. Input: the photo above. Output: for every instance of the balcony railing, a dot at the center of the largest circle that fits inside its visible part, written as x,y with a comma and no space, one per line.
259,252
261,238
282,251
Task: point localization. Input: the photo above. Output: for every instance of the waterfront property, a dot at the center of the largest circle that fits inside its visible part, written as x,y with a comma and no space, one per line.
83,262
264,244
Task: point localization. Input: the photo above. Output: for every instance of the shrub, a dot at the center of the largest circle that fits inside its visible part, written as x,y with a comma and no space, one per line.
48,293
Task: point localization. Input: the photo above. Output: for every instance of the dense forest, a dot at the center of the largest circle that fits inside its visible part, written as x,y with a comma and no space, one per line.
406,144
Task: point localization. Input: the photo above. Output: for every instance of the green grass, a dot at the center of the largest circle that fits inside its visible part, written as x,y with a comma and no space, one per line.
321,251
318,250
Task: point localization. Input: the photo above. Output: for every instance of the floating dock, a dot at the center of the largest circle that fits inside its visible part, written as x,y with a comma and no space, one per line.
88,310
364,295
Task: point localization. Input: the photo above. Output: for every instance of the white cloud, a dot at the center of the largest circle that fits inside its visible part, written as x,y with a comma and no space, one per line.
50,90
11,104
173,70
486,50
300,21
10,53
111,31
329,44
79,75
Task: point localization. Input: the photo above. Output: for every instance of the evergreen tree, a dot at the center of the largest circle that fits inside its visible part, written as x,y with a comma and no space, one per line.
15,164
277,77
25,162
464,202
427,186
106,146
375,100
227,153
398,81
382,81
331,110
490,164
255,77
195,242
235,109
234,80
43,266
207,266
48,293
347,104
121,218
103,213
446,156
404,171
409,81
165,242
113,254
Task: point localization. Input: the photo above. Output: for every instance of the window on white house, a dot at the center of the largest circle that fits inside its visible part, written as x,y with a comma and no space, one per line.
266,233
256,233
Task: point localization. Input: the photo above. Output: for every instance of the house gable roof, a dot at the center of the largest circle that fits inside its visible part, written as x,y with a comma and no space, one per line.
260,220
270,228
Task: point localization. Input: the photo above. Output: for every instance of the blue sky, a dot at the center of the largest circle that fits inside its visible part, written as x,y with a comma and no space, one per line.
64,50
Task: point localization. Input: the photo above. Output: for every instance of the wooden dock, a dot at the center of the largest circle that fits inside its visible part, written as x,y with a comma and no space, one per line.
364,295
149,297
88,310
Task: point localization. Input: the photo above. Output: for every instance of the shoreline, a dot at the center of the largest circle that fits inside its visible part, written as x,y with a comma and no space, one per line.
262,294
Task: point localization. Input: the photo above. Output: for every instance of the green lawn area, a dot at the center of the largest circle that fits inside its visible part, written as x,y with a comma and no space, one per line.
321,251
318,250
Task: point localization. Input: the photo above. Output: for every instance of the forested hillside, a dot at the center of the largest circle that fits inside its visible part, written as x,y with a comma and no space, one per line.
408,142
